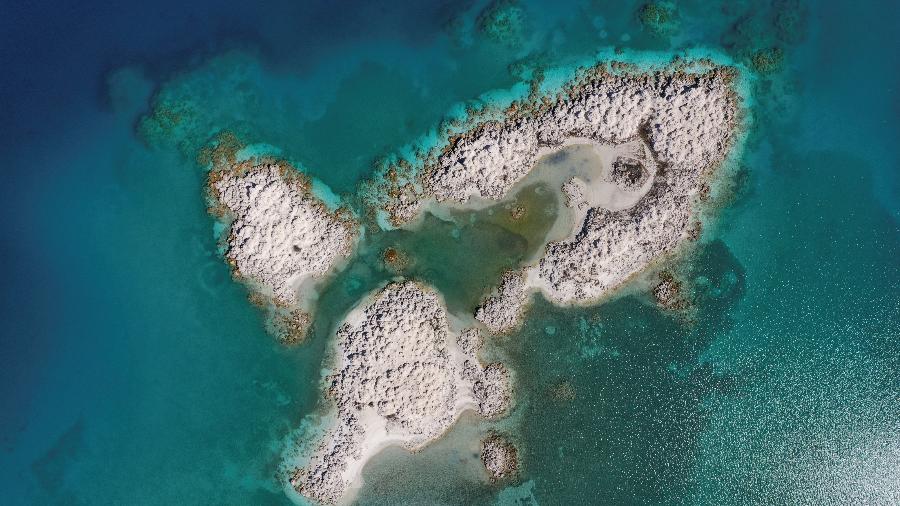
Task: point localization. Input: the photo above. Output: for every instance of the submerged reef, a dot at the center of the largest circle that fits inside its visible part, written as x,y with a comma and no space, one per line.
402,377
767,61
659,18
764,32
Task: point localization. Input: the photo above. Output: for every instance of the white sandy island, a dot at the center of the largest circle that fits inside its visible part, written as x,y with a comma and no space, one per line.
402,377
281,235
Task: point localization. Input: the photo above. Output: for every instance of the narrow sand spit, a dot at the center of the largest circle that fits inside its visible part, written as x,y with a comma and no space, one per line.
678,125
402,377
281,235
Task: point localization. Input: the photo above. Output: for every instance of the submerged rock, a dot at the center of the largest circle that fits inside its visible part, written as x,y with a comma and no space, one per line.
499,456
669,294
291,327
659,18
395,259
767,61
503,21
562,391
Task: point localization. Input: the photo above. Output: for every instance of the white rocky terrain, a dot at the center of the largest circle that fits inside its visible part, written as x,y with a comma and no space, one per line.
504,310
499,456
281,235
402,377
660,135
631,154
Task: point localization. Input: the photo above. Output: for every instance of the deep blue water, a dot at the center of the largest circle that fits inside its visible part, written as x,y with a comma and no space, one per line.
133,370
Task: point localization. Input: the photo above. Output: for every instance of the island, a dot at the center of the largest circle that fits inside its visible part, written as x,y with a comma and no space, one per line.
633,153
402,376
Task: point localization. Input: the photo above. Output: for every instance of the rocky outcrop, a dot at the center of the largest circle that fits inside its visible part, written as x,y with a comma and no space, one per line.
499,456
402,377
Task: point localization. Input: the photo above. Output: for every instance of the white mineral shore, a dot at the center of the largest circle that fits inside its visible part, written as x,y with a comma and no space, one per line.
281,235
402,377
660,135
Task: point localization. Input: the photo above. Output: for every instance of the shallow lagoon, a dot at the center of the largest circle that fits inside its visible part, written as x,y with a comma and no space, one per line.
134,370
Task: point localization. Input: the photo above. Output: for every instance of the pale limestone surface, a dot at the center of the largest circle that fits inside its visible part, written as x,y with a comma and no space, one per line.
402,377
687,118
502,312
281,235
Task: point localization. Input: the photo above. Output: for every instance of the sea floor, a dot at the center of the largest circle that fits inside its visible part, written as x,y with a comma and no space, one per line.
133,370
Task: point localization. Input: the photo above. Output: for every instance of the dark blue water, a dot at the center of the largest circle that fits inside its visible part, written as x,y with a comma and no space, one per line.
133,370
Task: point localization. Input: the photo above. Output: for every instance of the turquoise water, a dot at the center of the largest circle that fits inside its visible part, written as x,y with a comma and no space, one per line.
134,371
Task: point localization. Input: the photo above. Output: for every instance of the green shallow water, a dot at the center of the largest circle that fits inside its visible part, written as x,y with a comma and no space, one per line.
462,254
136,372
